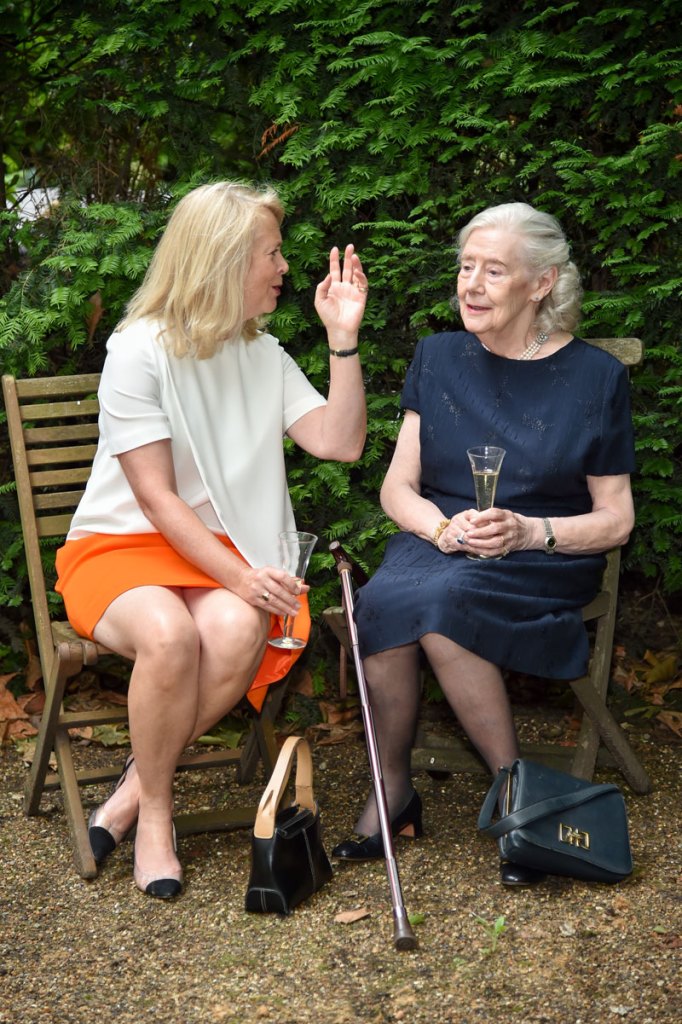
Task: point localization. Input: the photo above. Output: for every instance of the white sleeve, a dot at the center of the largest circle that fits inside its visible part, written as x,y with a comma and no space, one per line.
129,394
299,395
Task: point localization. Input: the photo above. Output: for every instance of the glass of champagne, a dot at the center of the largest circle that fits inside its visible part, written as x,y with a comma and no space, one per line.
486,463
295,549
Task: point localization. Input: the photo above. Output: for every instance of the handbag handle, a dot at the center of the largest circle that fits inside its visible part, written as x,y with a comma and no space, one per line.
264,827
540,809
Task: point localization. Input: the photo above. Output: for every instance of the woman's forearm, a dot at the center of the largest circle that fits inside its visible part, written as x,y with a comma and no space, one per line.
192,539
587,534
410,511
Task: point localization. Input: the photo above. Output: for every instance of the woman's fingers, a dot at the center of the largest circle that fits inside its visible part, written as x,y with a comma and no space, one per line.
276,591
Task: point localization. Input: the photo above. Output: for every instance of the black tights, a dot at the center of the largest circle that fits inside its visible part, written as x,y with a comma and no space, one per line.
475,691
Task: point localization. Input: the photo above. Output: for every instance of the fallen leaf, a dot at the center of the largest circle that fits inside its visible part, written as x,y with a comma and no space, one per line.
20,730
83,732
28,752
32,703
662,669
228,739
13,718
672,719
351,916
324,735
334,713
112,697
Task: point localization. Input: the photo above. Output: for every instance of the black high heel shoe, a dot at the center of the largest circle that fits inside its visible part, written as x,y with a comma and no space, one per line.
102,841
160,888
517,874
408,823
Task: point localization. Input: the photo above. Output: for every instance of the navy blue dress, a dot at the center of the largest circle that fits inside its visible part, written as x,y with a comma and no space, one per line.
561,418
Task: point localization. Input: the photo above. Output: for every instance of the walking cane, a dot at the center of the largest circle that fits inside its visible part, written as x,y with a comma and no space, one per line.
403,936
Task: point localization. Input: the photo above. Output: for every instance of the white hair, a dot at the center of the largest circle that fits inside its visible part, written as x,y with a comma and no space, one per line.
544,246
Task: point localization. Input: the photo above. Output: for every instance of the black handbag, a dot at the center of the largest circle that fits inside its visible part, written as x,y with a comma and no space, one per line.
559,824
288,860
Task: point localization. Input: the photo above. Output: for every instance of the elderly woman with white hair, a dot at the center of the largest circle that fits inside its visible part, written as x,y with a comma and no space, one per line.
172,558
517,378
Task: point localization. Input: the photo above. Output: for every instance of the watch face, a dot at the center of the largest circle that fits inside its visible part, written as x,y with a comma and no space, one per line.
550,539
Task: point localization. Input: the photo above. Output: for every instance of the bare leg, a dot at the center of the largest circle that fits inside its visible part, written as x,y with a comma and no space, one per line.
195,653
394,690
233,635
475,690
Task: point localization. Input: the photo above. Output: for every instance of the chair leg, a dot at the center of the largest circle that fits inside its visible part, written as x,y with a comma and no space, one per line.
62,669
73,807
261,744
612,735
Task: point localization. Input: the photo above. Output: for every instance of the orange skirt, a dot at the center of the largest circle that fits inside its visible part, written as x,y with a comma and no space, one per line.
94,570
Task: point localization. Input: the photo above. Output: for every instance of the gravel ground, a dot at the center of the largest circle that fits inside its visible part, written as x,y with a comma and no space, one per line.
73,952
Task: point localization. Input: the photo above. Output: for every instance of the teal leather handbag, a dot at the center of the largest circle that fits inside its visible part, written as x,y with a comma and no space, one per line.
557,823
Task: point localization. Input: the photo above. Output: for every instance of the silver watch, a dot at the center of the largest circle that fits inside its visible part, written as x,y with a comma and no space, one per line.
550,539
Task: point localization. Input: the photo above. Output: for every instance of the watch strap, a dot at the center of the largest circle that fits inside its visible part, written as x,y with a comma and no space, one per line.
550,539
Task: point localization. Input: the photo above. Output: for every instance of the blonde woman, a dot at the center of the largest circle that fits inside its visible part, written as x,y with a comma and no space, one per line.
172,556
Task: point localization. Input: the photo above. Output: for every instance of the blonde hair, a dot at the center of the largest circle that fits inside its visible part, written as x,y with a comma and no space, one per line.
194,285
544,245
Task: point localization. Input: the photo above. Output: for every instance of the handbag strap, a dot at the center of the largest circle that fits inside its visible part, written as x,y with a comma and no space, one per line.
540,809
264,827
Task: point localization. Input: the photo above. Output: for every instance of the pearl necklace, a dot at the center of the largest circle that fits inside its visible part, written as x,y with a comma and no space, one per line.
534,346
529,352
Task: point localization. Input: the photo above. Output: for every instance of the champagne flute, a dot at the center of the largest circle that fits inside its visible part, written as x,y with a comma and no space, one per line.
296,549
486,463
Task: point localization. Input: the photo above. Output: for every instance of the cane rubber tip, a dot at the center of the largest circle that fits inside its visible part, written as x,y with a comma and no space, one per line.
406,942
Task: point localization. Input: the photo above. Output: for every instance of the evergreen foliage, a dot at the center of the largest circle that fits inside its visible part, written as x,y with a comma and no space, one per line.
388,124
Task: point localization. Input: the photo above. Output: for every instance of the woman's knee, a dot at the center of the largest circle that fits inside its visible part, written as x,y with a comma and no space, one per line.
393,668
236,627
170,636
150,623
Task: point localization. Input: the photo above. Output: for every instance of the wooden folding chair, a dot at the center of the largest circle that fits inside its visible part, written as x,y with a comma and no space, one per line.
53,430
436,755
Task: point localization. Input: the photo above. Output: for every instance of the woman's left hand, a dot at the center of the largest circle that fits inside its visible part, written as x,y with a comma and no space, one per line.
495,532
340,299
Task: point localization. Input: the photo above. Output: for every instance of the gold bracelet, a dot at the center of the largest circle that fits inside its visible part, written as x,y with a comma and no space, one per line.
443,524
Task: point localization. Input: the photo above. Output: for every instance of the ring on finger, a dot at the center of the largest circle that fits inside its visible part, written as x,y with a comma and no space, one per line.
266,595
362,288
462,539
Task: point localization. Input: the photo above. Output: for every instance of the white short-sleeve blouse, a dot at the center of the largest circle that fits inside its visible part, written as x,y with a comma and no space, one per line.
225,416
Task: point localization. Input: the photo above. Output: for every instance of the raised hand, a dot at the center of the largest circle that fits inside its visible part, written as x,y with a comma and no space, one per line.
340,299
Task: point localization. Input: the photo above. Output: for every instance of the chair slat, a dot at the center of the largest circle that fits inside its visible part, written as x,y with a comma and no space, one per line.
53,526
57,499
35,387
629,351
60,477
49,456
87,431
60,410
